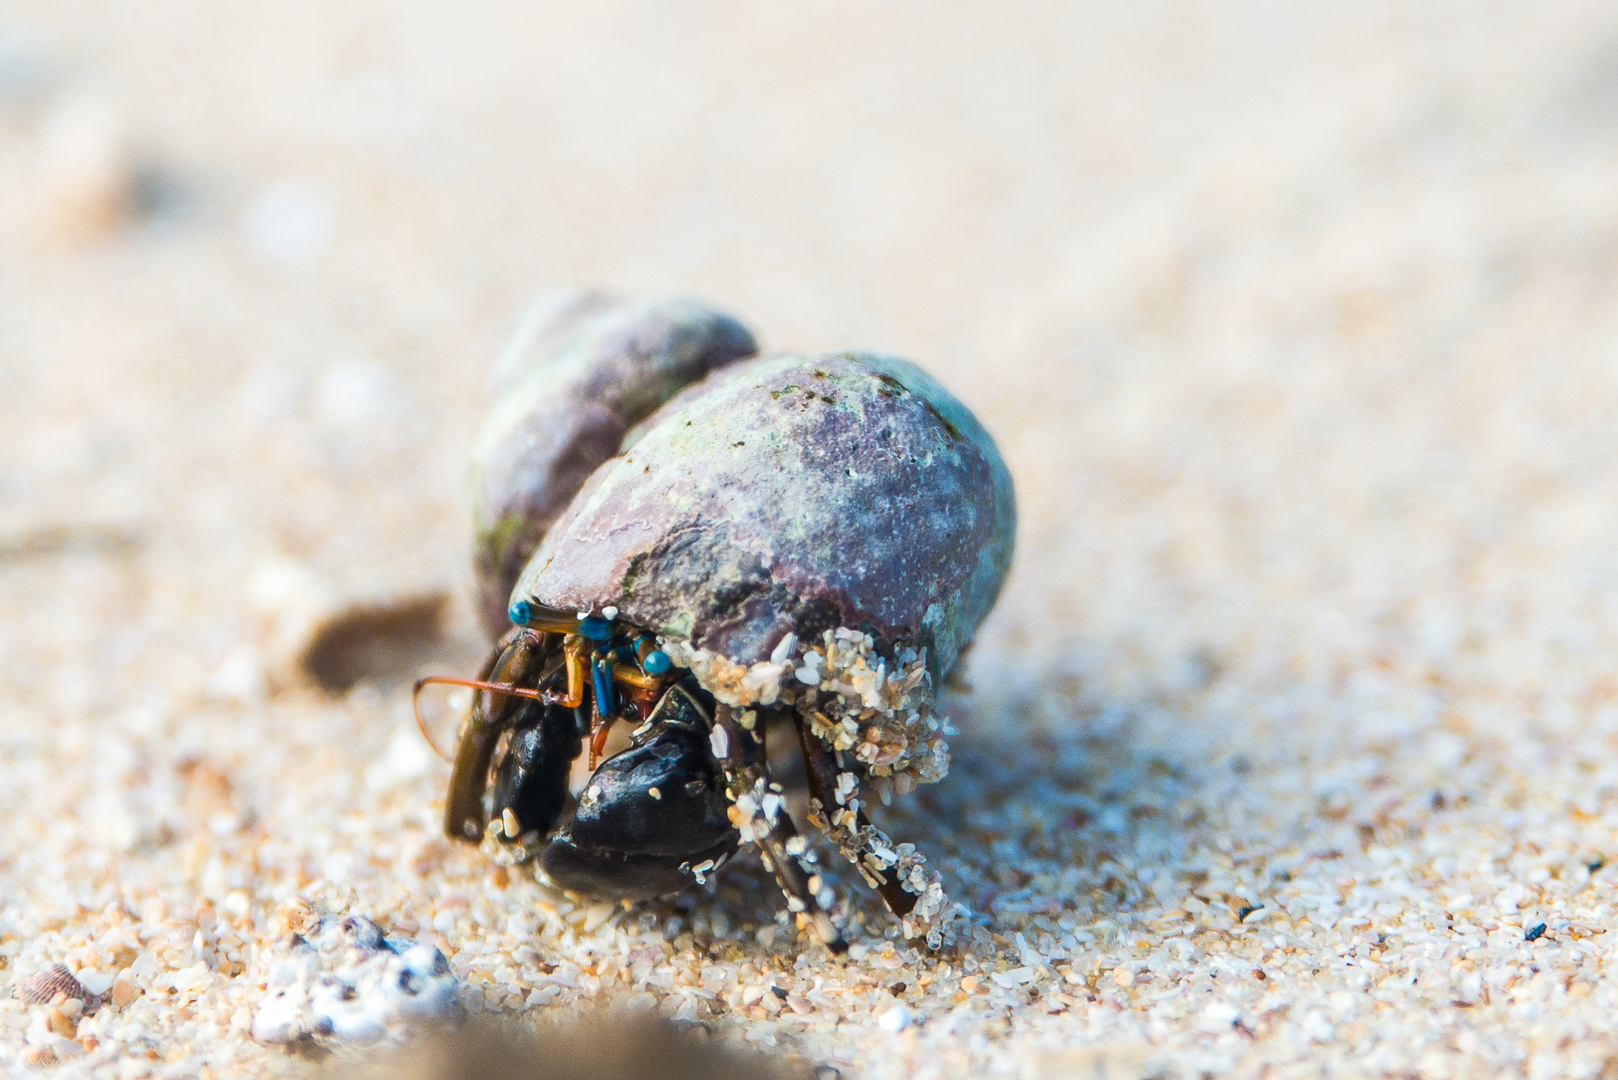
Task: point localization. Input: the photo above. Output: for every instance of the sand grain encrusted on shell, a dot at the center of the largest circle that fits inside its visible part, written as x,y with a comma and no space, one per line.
844,693
847,695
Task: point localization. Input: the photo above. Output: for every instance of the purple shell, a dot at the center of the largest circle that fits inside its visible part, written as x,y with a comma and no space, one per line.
793,495
580,374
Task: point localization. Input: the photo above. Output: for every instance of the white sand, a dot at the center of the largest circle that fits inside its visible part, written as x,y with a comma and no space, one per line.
1297,326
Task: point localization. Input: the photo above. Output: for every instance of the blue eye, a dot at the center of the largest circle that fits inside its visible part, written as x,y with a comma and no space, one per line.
657,662
521,612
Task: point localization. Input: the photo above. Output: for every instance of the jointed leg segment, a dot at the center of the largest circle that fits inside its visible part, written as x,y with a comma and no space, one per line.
760,814
823,790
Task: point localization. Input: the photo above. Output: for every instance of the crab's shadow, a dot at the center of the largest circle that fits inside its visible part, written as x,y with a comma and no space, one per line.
1084,817
1090,813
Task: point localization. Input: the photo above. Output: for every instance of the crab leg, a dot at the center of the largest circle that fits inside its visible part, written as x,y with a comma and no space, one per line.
630,677
760,814
576,657
605,712
601,707
823,785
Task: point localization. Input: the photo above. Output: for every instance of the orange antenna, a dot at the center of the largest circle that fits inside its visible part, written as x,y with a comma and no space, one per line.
473,684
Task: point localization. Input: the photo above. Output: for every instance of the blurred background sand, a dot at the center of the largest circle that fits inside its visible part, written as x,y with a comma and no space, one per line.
1296,325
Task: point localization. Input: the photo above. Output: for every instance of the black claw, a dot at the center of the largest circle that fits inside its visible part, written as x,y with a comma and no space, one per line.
531,777
649,815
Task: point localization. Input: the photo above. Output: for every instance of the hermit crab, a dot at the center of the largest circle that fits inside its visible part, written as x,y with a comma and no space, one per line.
713,546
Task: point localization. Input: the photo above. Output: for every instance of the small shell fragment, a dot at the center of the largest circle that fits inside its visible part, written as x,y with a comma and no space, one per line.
60,1023
124,991
345,982
50,982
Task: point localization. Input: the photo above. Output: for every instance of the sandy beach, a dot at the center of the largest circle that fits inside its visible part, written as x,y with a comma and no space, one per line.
1292,747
